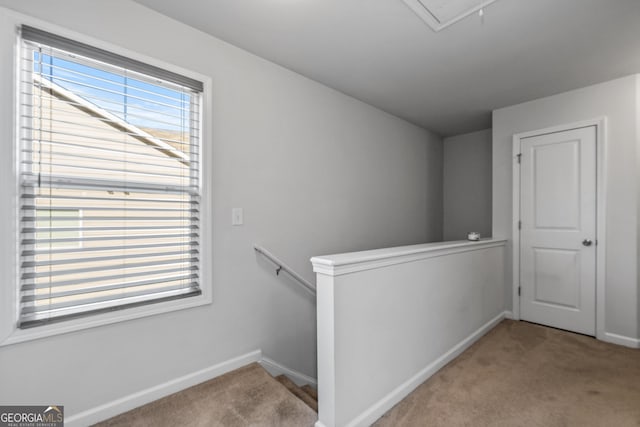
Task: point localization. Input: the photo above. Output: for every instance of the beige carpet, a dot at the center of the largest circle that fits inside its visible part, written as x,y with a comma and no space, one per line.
310,398
522,374
248,396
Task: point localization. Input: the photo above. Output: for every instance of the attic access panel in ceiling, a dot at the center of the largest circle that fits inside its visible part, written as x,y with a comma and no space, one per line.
439,14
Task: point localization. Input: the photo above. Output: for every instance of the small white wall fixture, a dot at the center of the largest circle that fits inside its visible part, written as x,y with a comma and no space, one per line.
601,151
390,318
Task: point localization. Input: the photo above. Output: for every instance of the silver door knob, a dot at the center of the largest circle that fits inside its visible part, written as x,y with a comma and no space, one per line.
586,242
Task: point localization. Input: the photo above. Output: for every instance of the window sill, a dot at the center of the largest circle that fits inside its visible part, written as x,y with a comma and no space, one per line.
24,335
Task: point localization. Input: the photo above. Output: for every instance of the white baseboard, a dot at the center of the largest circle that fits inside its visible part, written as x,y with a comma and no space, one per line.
143,397
606,336
379,408
134,400
275,369
621,340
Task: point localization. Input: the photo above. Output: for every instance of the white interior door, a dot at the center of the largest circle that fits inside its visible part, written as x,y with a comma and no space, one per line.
558,229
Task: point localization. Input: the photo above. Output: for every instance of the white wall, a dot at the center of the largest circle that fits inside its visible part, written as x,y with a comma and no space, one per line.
617,100
315,171
390,318
467,185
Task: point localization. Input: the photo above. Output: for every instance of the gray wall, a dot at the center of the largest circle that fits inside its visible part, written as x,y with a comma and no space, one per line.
467,185
617,101
315,171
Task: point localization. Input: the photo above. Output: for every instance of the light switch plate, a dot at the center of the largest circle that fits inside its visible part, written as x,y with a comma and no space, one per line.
237,216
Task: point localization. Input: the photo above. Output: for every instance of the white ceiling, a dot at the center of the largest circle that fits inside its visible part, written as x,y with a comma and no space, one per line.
380,52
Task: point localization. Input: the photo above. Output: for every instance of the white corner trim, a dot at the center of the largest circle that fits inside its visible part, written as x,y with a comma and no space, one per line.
142,397
319,424
621,340
339,264
378,409
508,315
275,369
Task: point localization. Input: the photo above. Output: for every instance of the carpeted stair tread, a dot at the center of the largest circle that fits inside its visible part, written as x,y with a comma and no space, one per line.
248,396
310,391
298,392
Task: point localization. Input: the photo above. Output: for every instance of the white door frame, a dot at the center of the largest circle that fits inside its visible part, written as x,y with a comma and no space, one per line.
601,176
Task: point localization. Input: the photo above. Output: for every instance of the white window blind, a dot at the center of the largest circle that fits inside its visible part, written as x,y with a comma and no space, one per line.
109,181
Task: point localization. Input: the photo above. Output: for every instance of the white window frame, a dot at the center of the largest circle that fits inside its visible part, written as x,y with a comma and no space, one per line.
9,230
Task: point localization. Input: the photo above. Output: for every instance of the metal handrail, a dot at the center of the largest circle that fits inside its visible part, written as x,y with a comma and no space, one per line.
281,266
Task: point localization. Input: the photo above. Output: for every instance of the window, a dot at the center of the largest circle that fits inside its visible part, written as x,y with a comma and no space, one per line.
66,233
109,181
